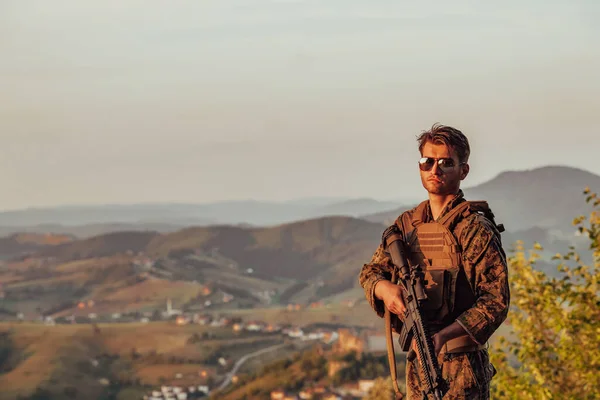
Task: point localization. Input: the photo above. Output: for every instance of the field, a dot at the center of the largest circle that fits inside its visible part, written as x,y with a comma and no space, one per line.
360,315
92,360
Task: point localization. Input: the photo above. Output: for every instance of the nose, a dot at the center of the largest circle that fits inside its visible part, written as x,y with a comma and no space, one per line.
435,170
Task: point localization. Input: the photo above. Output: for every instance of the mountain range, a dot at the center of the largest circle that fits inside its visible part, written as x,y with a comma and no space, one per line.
544,197
304,261
92,220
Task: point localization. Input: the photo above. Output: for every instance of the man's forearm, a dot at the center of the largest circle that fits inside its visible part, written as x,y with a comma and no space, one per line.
452,331
377,270
379,288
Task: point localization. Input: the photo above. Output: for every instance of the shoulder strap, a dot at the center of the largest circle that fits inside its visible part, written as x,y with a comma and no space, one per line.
483,207
467,208
409,220
419,214
461,210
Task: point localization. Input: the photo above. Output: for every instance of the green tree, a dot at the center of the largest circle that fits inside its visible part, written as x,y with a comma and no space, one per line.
553,351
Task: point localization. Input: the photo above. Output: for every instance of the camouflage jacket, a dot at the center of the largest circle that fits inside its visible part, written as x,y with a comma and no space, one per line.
484,263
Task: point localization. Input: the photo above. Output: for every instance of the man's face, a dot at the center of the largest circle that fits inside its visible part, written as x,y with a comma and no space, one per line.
438,180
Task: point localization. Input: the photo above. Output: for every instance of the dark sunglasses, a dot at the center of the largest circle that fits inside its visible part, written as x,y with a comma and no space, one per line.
445,164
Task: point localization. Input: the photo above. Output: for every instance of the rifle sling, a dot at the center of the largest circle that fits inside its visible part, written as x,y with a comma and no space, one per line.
461,344
390,347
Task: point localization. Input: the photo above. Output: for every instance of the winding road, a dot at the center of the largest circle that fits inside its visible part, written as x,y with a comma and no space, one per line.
241,361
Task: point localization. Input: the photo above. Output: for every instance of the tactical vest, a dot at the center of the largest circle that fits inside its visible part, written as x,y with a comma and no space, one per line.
434,247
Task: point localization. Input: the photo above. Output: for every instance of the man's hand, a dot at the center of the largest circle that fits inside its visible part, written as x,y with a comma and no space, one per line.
452,331
438,342
391,295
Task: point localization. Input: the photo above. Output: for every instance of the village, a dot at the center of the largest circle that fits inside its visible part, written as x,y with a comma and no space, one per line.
341,340
212,309
178,393
351,391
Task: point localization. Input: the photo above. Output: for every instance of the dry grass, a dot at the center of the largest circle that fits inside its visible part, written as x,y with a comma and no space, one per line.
153,292
360,315
47,347
93,263
76,278
162,337
40,346
23,265
157,374
54,353
235,279
10,277
183,239
43,239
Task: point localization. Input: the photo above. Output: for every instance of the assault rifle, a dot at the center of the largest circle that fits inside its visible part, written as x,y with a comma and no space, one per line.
413,326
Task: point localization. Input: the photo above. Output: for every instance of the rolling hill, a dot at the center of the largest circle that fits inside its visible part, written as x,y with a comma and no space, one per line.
22,243
100,246
91,229
127,271
111,361
303,261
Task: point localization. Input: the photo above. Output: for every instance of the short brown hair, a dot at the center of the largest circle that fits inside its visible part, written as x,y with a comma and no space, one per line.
451,137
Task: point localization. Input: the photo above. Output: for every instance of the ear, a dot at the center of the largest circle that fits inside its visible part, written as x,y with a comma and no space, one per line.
464,171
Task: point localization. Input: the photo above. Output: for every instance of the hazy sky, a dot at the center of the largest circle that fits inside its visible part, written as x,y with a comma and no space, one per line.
198,101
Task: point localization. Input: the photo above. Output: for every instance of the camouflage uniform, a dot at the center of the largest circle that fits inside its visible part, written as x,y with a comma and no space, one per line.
484,262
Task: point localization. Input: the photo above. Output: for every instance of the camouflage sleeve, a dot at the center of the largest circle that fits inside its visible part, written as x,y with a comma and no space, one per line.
380,267
484,261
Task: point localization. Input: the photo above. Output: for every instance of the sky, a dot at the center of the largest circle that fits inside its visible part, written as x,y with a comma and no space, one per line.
141,101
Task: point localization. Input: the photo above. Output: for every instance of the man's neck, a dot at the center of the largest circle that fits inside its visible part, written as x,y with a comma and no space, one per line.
437,203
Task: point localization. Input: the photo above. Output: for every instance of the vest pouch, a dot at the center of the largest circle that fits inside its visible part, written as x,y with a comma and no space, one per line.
441,292
436,282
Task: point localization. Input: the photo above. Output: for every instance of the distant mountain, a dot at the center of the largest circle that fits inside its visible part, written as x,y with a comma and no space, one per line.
356,207
121,213
84,221
88,230
388,217
548,197
316,201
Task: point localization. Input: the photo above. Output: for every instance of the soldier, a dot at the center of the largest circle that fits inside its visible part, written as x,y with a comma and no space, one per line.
458,244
